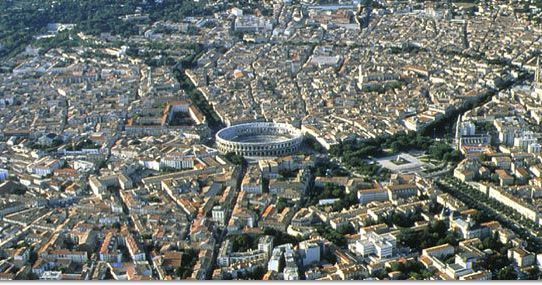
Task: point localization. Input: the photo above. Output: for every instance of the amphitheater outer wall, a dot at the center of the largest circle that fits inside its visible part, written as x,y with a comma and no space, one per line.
226,139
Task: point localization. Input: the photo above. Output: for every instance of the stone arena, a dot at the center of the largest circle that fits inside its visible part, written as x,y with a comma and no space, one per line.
259,139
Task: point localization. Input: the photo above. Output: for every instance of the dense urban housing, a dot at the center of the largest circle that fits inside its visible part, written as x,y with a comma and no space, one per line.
271,140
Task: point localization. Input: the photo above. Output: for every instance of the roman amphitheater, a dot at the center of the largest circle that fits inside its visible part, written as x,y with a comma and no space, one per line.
259,139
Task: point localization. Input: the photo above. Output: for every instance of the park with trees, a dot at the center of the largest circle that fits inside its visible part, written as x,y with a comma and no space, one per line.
357,153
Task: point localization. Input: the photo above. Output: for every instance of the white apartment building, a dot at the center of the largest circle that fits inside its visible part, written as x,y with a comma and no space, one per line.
251,23
51,275
219,215
291,274
371,243
371,195
522,142
177,161
44,166
515,203
248,256
310,252
265,244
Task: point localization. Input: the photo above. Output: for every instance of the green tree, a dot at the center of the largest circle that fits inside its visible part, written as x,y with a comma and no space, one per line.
534,274
280,237
235,158
346,229
281,204
242,242
507,273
